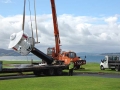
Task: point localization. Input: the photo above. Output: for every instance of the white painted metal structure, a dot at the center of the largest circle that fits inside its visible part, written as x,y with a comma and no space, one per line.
21,43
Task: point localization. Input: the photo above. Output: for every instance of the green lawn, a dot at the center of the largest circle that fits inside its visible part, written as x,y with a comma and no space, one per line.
7,63
61,83
64,82
95,67
17,62
89,67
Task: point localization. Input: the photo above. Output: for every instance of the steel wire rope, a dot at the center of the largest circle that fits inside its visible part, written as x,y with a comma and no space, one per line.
33,42
30,18
35,22
23,15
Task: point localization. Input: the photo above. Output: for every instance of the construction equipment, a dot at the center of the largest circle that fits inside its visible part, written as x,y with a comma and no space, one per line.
23,44
55,52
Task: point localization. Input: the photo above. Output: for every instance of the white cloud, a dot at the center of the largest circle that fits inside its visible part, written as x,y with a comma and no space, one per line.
111,19
77,33
6,1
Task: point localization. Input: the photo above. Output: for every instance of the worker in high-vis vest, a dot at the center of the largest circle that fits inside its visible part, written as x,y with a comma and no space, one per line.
71,67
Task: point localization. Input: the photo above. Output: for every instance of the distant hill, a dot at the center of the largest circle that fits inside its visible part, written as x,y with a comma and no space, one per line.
87,53
110,53
4,52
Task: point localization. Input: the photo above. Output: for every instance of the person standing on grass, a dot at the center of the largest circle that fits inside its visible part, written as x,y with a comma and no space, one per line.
71,67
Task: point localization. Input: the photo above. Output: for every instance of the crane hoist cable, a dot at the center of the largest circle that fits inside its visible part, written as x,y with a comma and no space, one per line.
23,15
30,19
35,21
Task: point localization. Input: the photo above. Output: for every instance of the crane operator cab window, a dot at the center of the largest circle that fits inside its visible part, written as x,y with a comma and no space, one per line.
49,51
72,55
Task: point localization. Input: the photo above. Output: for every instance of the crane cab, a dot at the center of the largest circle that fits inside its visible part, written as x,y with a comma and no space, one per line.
67,56
71,54
51,52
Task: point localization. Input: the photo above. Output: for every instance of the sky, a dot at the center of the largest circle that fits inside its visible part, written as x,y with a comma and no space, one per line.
84,25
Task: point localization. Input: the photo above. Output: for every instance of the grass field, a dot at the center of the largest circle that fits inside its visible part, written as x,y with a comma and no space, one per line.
95,67
89,67
16,62
61,83
64,82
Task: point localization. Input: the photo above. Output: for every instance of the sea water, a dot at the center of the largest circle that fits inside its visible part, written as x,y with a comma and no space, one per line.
89,58
93,58
18,58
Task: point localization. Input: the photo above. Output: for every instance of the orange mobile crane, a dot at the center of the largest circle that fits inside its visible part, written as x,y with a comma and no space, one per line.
55,52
